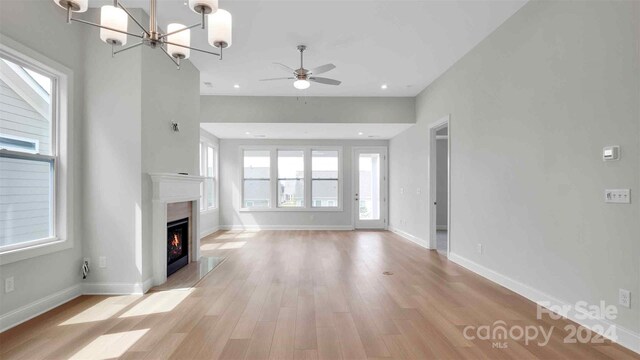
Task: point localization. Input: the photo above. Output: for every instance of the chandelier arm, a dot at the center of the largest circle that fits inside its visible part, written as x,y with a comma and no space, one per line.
133,18
177,31
128,48
170,57
106,27
192,48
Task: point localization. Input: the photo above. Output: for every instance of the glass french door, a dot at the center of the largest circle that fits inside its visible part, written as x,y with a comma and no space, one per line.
370,187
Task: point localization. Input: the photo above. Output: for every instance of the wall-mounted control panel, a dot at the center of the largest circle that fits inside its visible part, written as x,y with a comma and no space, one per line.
617,196
610,153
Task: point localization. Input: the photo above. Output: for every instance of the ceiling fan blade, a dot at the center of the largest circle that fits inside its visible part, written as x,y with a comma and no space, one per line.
285,67
280,78
322,69
322,80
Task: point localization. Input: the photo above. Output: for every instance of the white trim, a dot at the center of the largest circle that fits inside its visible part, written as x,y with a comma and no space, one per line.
207,232
38,307
412,238
626,337
116,288
287,227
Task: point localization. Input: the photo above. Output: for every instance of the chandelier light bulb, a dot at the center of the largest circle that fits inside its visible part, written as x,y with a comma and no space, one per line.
180,38
220,29
301,84
114,18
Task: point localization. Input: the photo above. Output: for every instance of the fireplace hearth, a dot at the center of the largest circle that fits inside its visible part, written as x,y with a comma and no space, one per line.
177,245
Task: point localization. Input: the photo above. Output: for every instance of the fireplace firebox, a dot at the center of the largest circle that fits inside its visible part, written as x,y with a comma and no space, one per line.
177,245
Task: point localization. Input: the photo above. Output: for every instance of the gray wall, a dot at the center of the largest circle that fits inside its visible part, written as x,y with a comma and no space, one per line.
441,182
283,109
531,108
168,95
230,188
112,160
31,23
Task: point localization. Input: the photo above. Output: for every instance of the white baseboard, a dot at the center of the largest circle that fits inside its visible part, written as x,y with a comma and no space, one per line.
207,232
412,238
441,227
625,337
116,288
29,311
287,227
147,284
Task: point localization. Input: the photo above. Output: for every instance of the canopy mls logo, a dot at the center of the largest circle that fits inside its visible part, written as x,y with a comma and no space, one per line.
500,333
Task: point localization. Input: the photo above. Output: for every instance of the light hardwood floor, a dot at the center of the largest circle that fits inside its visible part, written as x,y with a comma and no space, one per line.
301,295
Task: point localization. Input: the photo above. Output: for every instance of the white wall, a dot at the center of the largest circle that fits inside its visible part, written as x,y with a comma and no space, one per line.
286,109
31,23
210,219
230,189
531,108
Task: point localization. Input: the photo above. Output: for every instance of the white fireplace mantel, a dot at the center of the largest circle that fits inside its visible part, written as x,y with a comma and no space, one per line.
171,188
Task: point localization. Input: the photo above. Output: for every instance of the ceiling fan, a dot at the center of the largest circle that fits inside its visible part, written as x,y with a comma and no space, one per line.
304,77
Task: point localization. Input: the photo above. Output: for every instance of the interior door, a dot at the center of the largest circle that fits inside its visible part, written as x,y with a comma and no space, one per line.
370,187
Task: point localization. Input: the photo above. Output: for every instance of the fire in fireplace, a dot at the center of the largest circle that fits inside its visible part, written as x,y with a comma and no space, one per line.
177,245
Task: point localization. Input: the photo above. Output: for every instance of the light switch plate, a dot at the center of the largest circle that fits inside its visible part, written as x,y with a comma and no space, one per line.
617,196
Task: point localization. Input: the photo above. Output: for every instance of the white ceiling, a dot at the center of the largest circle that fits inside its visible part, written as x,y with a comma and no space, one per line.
304,131
405,44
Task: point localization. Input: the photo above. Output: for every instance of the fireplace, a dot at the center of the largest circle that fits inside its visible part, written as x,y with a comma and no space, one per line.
177,245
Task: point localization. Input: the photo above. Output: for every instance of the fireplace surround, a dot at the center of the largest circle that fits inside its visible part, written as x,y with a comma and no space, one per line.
171,189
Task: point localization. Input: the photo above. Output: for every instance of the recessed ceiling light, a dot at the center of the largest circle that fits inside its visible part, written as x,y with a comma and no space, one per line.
360,133
236,86
247,133
383,86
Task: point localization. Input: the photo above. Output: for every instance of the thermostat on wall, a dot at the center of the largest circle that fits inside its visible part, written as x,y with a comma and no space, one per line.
611,153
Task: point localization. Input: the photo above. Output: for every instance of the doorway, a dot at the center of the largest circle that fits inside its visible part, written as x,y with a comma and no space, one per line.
439,166
370,187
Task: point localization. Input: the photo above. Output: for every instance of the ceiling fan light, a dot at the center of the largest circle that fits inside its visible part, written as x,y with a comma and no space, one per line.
301,84
220,29
114,18
75,5
208,6
181,38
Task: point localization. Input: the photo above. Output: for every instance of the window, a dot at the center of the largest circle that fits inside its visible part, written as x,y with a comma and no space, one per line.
256,183
28,154
290,178
324,178
209,170
303,178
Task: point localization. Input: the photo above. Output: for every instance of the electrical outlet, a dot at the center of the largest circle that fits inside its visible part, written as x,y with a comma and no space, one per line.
617,196
102,262
479,249
624,298
9,284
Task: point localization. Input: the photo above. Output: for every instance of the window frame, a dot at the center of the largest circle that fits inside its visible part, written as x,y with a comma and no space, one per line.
273,180
62,207
338,179
205,144
304,178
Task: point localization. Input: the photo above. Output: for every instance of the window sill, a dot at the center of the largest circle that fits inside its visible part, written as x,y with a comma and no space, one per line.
11,256
327,209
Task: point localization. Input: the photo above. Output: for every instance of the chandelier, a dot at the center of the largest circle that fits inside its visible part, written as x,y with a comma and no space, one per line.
176,42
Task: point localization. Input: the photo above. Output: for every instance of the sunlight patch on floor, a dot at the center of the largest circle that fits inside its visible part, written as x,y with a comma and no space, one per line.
159,302
102,310
209,247
232,245
110,346
246,235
